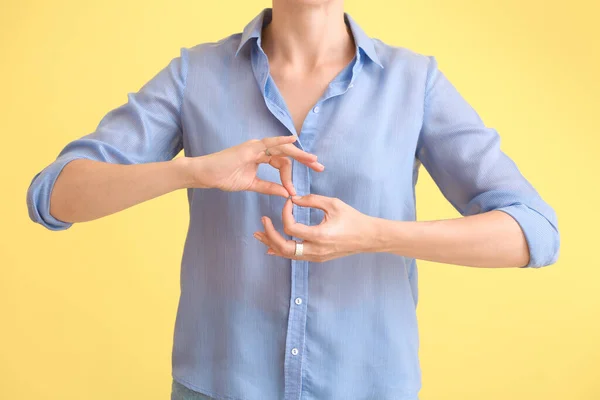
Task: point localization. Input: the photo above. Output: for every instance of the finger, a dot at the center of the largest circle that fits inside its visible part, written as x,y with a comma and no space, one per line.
309,253
316,166
293,228
301,156
270,188
289,150
262,237
284,165
278,140
264,241
324,203
278,242
262,145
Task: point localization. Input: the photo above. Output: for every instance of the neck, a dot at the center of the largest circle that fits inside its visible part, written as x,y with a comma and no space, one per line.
308,36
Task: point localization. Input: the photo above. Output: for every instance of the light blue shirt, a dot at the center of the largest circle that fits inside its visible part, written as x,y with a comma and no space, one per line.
256,327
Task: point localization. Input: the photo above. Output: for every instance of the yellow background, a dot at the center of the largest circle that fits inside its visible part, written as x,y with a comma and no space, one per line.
88,313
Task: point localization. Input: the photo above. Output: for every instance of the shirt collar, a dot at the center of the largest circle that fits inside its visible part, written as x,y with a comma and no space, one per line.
255,27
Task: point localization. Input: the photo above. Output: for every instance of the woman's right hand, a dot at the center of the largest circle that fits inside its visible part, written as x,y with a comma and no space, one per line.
234,169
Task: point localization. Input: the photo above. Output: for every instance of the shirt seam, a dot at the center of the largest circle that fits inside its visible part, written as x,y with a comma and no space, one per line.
428,89
184,73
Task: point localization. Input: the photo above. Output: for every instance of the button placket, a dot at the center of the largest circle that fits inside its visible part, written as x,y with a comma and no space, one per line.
295,338
261,70
296,327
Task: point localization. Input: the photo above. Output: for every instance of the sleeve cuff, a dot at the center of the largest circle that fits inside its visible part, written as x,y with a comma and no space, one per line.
541,234
39,192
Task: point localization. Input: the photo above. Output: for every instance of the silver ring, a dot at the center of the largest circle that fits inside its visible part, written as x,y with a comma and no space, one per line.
299,249
267,152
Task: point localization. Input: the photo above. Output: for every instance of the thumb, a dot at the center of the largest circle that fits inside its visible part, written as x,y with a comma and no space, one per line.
315,201
270,188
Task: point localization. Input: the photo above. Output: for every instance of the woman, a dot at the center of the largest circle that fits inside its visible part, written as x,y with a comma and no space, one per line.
329,311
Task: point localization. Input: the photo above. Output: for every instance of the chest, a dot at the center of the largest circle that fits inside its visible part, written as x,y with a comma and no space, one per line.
365,134
301,94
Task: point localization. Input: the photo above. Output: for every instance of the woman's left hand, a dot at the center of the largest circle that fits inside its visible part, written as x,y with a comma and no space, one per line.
344,231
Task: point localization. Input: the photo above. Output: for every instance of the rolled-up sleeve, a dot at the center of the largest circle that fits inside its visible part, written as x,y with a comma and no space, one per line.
464,158
145,129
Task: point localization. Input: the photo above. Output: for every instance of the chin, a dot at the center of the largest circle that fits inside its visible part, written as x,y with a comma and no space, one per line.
310,2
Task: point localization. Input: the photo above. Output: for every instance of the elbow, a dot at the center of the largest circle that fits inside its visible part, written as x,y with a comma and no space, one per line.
536,218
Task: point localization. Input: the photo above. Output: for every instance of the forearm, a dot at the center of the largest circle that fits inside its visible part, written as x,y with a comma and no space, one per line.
491,240
87,189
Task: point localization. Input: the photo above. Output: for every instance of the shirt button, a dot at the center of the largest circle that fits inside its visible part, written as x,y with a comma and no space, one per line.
298,300
316,109
295,351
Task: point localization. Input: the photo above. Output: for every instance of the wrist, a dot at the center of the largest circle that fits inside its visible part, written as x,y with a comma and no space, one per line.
388,235
376,235
189,171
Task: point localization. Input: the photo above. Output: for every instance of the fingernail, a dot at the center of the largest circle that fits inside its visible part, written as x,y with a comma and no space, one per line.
271,253
321,165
